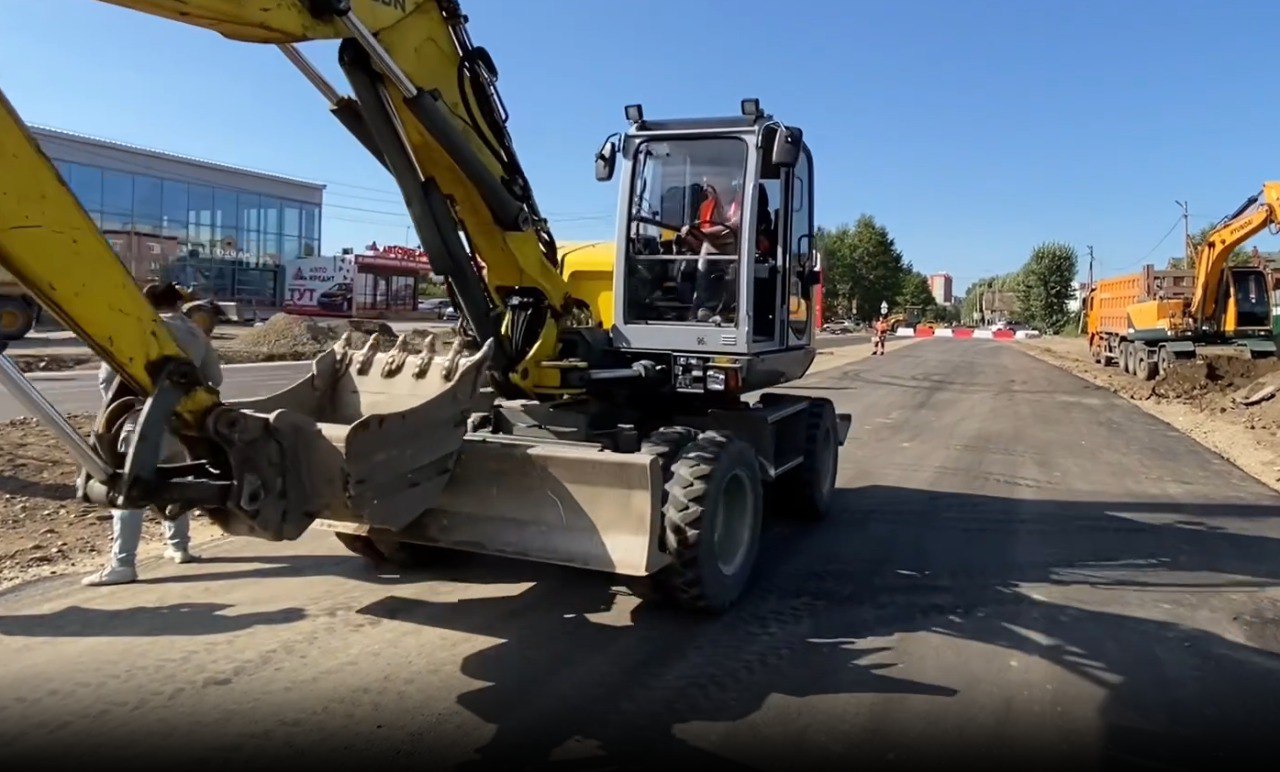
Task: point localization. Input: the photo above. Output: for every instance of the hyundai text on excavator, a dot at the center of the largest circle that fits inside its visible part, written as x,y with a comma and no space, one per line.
1146,321
594,410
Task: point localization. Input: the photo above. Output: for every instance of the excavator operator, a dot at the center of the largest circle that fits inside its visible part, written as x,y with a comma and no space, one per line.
716,235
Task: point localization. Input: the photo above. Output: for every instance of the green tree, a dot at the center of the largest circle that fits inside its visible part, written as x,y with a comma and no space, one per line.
862,267
1044,286
915,291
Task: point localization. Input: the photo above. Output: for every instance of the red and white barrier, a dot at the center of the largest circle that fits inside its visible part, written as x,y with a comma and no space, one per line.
965,333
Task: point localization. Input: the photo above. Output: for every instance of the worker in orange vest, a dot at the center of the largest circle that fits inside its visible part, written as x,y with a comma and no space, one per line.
882,330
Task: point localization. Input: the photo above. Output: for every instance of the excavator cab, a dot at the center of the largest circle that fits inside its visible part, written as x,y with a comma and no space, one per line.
714,243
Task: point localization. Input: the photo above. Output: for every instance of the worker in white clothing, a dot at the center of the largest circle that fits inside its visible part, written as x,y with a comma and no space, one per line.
127,523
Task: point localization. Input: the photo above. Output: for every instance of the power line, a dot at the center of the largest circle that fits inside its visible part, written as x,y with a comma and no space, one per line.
1158,243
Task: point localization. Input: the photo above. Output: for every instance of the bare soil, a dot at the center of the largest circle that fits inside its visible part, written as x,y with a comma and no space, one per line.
1202,399
43,532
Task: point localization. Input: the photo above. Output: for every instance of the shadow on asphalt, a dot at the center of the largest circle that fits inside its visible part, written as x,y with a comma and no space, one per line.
177,619
820,620
913,561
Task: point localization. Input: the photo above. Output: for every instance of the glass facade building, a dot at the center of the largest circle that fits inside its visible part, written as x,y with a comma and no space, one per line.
223,230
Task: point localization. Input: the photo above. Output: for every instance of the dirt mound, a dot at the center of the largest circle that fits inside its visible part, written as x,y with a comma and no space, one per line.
284,337
1211,376
288,337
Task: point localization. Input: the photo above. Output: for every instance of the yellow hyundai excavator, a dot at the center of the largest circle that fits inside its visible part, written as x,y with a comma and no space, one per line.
595,410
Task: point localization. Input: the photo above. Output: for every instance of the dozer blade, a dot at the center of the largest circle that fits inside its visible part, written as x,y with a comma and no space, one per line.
572,504
397,418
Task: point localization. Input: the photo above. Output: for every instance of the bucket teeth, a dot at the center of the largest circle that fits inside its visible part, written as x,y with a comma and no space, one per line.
422,362
396,357
364,360
451,359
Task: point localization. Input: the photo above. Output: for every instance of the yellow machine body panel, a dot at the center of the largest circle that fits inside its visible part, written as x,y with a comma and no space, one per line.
588,268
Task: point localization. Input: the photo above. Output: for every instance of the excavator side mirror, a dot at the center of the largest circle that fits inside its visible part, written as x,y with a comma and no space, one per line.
606,160
786,147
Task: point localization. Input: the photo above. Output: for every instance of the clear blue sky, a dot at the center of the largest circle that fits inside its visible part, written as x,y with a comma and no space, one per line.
971,130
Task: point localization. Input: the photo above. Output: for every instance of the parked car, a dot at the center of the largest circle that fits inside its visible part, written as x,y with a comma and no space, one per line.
435,307
336,299
450,313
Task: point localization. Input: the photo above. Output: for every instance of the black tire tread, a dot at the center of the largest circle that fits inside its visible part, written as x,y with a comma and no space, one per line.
683,519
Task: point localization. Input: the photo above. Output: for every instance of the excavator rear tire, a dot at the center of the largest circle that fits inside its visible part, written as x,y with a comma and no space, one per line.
712,521
804,492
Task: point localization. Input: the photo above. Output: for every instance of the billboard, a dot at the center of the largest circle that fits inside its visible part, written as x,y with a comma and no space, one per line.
320,285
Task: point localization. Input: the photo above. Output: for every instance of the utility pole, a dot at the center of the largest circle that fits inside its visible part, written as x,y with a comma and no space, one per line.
1088,290
1186,233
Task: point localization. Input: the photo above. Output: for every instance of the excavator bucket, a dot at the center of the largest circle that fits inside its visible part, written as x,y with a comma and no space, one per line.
398,418
416,475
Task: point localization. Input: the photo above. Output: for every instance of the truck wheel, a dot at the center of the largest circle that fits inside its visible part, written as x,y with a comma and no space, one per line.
711,521
1126,358
1164,360
804,492
17,317
1144,362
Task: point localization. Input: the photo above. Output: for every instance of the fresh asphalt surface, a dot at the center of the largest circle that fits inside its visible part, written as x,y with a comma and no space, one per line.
1021,567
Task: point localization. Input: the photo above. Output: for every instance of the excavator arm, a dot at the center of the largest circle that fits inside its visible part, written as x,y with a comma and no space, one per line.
424,105
1261,210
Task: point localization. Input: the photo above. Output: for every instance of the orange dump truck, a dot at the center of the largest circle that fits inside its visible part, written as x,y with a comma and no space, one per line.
1132,320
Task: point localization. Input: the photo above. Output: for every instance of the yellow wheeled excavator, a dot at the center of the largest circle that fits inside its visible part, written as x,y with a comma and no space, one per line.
596,410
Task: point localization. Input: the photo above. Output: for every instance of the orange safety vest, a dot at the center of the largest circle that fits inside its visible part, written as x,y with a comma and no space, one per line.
707,213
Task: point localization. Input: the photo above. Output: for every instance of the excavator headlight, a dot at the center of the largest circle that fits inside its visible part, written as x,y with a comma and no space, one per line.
715,379
751,107
635,113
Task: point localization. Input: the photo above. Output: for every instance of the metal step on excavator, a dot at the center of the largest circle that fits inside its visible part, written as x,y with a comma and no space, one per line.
604,405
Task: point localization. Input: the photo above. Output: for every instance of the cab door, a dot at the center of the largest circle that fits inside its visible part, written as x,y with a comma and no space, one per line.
799,251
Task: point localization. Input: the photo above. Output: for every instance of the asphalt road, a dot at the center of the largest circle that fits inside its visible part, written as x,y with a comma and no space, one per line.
1023,568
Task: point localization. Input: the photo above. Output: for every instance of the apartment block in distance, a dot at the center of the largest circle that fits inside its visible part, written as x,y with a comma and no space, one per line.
940,286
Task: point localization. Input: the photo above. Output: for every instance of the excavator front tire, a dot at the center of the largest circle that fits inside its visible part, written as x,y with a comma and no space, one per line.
712,520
